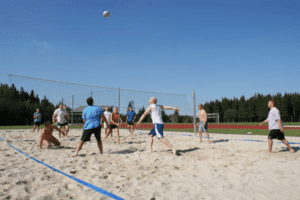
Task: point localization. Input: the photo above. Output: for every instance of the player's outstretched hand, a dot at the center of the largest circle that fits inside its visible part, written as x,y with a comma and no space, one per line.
177,109
261,124
138,124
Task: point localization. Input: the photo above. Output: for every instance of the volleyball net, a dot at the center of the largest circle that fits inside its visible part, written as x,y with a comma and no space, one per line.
74,95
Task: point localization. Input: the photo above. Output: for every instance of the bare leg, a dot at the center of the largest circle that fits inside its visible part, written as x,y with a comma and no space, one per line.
100,146
38,128
288,145
163,140
206,133
67,130
118,137
129,128
270,144
132,129
109,132
200,136
79,146
151,142
34,128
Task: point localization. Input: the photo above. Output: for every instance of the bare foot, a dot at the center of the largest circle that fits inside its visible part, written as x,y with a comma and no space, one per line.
74,155
292,151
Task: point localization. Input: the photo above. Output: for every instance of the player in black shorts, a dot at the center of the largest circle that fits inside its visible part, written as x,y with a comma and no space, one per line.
130,119
91,117
275,127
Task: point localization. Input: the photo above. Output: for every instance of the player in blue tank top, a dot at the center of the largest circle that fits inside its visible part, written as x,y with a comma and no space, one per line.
130,120
157,122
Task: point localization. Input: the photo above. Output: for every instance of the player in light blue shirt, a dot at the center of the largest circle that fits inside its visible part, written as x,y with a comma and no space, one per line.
130,117
91,117
37,116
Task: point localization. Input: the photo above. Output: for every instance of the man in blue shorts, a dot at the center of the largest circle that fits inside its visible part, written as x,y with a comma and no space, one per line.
130,117
203,126
157,122
37,116
91,117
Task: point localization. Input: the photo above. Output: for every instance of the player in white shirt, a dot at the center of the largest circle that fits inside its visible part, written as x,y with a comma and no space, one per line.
157,122
59,116
275,127
107,115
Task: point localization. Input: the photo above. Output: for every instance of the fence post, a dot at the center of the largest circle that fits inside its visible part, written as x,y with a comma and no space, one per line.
119,106
194,108
72,109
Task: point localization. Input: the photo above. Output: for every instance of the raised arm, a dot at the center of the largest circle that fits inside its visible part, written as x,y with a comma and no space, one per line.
169,108
149,109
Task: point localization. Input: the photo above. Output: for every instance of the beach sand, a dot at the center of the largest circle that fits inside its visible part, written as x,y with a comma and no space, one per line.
228,168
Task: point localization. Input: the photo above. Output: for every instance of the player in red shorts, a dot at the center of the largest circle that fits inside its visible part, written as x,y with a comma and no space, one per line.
46,136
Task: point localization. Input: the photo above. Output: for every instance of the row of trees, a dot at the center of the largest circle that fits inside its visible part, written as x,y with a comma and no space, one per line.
17,108
255,109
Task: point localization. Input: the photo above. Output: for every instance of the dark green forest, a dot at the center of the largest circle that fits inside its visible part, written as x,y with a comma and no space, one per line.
18,107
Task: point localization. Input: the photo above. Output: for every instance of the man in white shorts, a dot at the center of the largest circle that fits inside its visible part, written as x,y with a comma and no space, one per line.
59,116
157,122
107,115
203,126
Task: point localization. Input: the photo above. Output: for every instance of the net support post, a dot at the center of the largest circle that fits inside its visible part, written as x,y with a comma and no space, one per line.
194,110
72,109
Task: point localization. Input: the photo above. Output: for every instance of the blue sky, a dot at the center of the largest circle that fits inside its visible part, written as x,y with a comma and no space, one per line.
217,48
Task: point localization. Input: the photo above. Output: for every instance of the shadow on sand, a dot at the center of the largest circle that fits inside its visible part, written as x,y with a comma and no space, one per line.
126,151
284,149
221,140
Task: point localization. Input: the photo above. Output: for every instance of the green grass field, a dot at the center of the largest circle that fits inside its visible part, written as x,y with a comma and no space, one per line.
288,132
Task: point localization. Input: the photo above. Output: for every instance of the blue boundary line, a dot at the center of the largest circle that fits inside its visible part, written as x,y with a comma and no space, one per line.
95,188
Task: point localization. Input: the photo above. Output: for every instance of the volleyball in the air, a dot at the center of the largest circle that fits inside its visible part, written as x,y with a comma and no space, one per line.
106,14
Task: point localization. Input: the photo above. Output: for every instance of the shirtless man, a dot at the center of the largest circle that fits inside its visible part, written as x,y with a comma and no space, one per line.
46,136
157,122
203,126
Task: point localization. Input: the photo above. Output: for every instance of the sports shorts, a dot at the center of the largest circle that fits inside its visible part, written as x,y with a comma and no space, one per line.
37,123
204,128
276,134
130,123
87,133
158,130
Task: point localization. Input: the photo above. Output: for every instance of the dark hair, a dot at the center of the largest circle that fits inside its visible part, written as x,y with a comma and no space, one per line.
90,101
273,102
46,123
61,103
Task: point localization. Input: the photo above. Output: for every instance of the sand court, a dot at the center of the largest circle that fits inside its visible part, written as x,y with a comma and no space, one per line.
228,168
